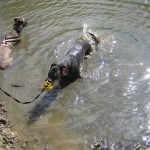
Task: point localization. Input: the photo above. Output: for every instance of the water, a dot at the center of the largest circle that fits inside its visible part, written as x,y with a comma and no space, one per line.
113,98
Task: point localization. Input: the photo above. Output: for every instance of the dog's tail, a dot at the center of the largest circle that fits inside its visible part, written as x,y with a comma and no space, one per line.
89,36
94,38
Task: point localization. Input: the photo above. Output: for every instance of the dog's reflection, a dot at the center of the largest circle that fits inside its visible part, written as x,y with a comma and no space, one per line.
42,106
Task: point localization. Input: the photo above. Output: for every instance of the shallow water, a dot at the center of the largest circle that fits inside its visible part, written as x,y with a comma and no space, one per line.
113,98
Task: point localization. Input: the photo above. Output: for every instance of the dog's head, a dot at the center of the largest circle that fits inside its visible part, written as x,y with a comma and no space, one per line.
54,73
20,22
54,76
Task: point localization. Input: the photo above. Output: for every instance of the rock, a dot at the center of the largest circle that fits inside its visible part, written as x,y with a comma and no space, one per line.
25,145
46,147
8,137
3,121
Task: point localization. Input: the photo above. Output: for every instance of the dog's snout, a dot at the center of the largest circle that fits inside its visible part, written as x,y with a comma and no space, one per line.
24,22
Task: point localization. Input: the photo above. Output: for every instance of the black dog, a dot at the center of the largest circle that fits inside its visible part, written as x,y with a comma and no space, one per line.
68,70
13,38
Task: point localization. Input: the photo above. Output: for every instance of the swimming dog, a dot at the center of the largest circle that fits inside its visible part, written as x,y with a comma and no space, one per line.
10,40
68,70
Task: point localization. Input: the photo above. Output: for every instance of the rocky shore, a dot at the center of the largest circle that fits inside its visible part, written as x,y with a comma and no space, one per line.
8,137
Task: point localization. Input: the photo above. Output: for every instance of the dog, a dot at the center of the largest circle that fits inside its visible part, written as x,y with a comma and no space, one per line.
68,70
10,40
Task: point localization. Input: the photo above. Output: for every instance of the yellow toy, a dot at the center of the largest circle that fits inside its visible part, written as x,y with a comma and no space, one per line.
47,85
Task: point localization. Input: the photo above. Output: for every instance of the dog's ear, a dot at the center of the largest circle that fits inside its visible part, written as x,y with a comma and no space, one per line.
61,67
15,19
18,20
52,65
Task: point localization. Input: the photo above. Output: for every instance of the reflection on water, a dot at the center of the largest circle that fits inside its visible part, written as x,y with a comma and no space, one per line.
112,100
41,107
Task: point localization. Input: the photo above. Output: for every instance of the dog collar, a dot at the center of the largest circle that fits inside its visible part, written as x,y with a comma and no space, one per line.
64,71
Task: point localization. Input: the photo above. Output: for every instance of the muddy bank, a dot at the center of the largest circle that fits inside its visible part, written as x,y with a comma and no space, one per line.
8,137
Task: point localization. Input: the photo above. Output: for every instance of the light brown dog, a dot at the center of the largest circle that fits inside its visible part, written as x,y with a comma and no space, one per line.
13,38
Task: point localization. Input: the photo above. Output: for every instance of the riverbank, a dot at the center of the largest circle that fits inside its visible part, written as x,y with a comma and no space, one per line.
8,137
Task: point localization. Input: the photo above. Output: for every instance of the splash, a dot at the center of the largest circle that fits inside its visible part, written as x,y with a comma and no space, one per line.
106,42
87,31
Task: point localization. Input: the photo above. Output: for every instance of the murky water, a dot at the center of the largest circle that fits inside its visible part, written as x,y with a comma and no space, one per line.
113,98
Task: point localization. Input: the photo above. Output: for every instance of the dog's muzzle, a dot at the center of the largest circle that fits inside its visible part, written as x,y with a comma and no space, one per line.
24,22
48,85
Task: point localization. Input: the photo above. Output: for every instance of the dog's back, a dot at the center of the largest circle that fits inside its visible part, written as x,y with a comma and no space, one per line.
79,50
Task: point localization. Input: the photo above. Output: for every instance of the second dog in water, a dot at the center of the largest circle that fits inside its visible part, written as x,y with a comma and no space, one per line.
10,41
68,70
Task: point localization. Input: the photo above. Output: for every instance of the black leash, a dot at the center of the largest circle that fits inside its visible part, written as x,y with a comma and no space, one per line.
20,101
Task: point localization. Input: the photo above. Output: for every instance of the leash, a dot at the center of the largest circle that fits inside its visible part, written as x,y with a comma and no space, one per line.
20,101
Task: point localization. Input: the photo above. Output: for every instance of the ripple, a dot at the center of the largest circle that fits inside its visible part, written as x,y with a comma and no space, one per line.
113,98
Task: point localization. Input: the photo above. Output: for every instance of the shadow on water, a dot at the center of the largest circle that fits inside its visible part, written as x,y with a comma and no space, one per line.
41,107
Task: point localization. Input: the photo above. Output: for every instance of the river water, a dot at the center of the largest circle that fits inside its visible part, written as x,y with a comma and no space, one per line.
111,101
